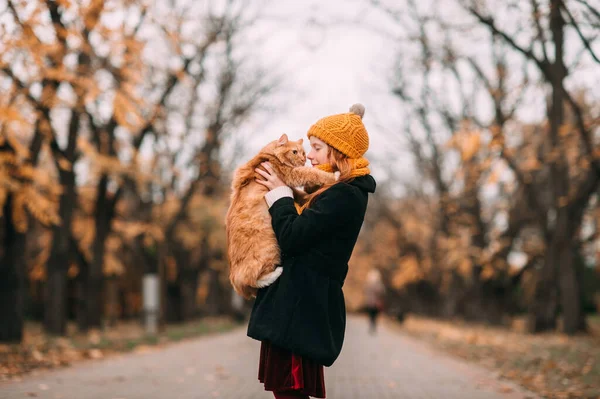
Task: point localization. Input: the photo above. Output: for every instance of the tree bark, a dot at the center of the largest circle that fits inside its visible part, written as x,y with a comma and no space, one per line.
55,310
112,300
570,292
181,298
214,299
12,279
60,256
543,307
173,303
93,279
189,285
12,261
558,269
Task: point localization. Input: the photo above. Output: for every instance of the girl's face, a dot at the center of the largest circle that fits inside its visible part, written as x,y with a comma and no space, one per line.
319,151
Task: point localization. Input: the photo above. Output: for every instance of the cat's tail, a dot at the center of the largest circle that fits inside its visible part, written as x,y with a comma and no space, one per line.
269,278
241,286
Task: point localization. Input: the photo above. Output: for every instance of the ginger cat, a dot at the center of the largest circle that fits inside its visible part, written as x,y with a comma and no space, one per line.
251,244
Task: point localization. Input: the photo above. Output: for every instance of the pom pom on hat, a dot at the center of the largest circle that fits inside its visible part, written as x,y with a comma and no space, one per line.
358,109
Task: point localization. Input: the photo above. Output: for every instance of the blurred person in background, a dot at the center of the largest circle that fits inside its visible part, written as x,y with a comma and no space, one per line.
374,291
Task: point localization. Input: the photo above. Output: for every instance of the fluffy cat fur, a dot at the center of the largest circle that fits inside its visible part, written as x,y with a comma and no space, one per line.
251,244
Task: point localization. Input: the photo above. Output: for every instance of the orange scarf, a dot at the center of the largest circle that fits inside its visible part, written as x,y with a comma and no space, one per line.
359,168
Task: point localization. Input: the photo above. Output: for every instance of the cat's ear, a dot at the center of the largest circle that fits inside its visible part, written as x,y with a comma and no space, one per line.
300,141
283,139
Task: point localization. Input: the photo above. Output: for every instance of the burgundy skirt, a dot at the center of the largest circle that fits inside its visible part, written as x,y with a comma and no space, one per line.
281,370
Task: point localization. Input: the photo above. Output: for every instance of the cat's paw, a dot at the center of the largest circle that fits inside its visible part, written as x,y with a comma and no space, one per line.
300,196
270,278
311,188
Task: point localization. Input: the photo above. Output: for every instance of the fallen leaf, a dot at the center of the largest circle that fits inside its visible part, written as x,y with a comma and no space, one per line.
95,354
37,355
94,337
142,349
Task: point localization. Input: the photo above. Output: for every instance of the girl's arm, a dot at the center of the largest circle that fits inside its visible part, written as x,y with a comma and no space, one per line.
329,212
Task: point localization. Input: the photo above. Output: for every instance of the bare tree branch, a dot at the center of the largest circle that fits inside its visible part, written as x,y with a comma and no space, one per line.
591,9
489,22
584,40
540,31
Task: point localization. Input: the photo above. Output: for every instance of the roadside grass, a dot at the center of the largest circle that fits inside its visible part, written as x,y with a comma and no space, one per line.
40,351
553,365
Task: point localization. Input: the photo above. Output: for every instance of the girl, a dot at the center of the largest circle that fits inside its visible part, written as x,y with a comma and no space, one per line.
301,318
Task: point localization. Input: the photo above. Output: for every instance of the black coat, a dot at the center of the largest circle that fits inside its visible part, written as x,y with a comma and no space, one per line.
304,309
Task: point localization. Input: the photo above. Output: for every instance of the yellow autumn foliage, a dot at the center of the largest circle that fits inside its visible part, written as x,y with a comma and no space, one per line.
407,271
130,230
105,164
3,197
126,112
466,141
43,209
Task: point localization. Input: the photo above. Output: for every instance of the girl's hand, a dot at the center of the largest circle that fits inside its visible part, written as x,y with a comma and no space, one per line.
273,181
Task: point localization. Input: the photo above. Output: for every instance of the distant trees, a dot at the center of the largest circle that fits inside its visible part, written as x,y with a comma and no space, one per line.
112,127
506,143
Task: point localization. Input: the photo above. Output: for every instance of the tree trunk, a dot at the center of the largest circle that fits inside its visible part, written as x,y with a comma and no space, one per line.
55,310
173,303
112,300
188,288
543,307
570,293
60,257
94,283
580,270
12,279
93,280
214,299
93,298
558,257
181,293
80,285
452,296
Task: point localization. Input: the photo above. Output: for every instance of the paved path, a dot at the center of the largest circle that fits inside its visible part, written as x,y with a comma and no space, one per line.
386,365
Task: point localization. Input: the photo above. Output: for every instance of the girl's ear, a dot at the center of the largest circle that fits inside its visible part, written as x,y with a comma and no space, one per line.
283,139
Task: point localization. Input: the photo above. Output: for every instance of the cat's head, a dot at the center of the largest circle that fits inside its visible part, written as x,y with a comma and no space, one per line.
287,152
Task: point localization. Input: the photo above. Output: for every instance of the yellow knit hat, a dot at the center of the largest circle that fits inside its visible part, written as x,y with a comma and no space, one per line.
344,132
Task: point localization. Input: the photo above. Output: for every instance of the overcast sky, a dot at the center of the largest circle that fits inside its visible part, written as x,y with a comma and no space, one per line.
331,58
339,52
